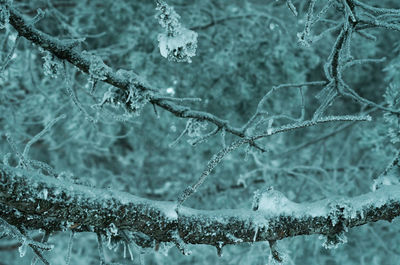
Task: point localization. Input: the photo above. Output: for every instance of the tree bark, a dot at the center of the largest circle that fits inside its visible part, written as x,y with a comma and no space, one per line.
37,201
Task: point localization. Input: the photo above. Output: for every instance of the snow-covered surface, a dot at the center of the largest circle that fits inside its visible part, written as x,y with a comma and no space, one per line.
176,43
180,47
275,202
272,204
52,189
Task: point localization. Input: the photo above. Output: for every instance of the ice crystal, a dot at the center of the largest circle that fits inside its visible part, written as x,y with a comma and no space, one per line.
43,194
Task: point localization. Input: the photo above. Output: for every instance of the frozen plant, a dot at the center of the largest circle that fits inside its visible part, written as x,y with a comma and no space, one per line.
177,43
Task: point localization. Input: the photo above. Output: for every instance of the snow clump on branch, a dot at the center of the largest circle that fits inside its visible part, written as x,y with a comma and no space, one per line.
177,43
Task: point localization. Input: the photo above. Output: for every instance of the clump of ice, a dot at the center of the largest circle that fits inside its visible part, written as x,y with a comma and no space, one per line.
273,202
180,47
177,43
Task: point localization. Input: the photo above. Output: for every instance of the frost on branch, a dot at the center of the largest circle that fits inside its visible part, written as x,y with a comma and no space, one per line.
278,254
272,202
178,48
182,247
387,180
52,66
177,43
97,69
392,98
4,13
339,212
24,240
195,129
132,100
333,241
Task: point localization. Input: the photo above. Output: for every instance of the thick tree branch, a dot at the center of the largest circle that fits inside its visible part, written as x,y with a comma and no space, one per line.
38,201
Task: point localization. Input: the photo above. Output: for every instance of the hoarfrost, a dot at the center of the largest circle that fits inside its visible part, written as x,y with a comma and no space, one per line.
136,100
167,17
180,47
132,100
43,194
177,43
113,229
180,244
340,210
333,241
98,69
195,128
52,65
4,14
385,181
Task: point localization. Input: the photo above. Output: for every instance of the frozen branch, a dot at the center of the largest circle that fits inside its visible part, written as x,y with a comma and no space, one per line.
38,201
63,50
217,158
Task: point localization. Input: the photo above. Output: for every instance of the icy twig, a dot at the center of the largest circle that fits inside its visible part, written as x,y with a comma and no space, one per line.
9,56
217,158
40,134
